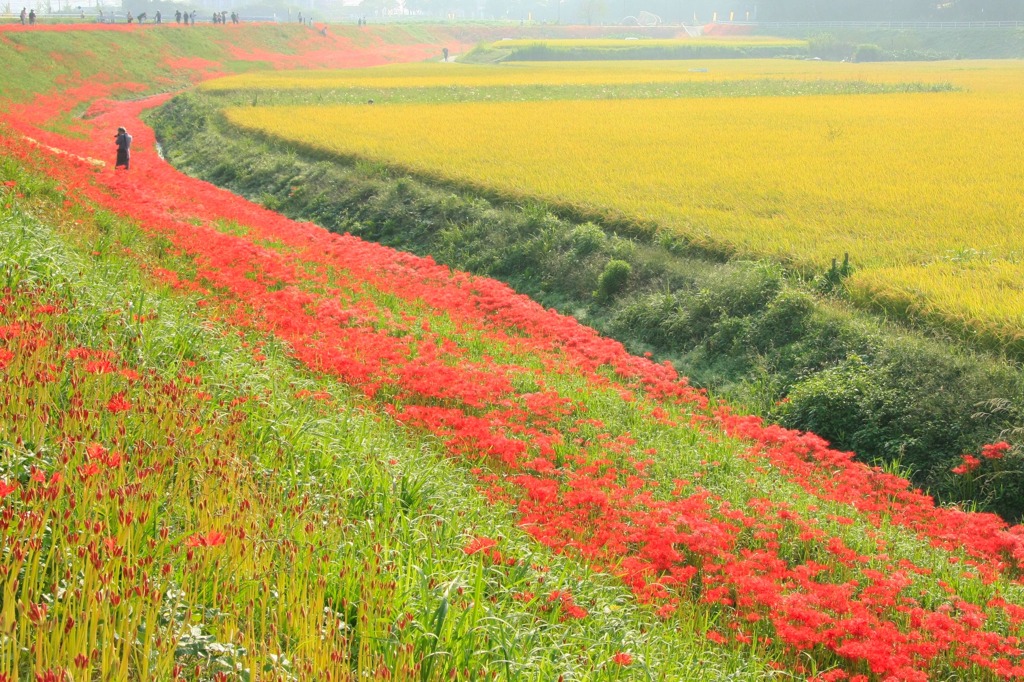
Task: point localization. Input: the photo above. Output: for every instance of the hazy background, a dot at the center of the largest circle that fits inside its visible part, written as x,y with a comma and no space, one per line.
704,11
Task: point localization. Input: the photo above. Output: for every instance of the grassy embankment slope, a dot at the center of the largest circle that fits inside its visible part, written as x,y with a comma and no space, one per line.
748,329
239,446
179,496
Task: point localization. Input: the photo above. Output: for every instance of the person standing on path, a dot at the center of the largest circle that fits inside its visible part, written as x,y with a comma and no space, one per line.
32,17
24,16
444,51
124,145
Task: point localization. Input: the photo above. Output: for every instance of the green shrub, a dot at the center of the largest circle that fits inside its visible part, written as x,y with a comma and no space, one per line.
588,238
613,279
868,52
832,403
660,319
735,290
828,46
784,321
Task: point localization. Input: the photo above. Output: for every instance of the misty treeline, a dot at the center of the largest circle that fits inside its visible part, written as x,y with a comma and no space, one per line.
705,11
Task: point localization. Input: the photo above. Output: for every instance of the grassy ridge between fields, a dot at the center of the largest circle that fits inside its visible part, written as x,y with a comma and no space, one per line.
742,328
699,48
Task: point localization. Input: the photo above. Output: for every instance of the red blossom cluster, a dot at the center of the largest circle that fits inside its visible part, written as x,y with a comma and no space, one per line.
212,538
806,459
968,464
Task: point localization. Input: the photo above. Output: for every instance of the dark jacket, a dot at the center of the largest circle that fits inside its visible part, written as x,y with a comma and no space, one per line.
124,144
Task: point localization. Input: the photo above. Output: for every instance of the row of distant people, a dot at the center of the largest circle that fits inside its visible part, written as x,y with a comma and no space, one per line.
180,17
28,17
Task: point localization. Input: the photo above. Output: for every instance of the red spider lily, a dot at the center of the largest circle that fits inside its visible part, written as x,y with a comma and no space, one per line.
5,357
969,464
570,609
622,658
51,676
479,544
95,451
88,470
10,331
113,547
995,450
37,613
118,403
715,637
7,488
99,367
39,476
211,539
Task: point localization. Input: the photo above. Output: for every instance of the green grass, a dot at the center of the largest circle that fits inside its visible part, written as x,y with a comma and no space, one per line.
583,50
767,87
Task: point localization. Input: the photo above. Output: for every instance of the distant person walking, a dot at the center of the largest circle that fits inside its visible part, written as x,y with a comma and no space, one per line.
124,145
444,51
157,17
177,16
32,17
24,16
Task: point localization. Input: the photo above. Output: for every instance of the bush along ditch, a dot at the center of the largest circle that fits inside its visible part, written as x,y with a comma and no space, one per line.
786,348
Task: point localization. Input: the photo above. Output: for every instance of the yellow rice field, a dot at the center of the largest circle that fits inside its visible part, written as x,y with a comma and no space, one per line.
425,75
652,42
907,184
